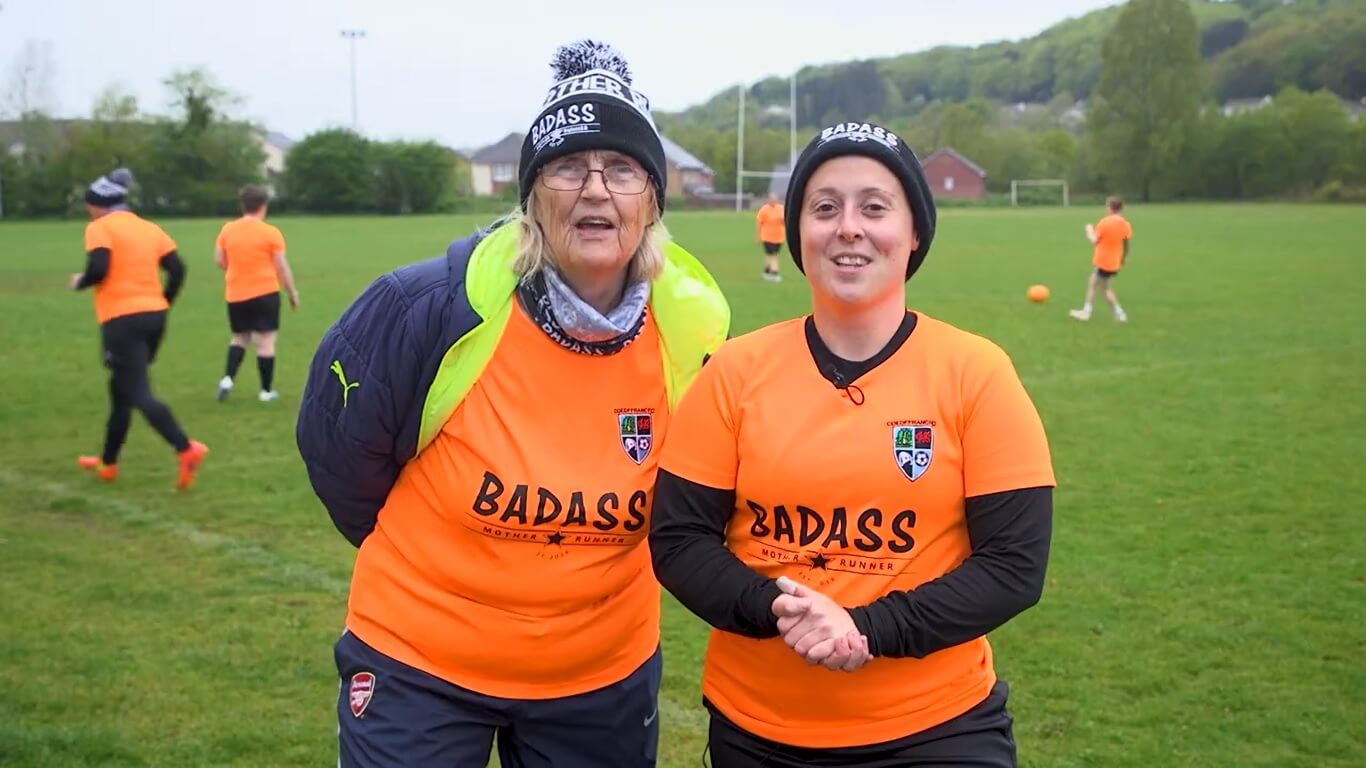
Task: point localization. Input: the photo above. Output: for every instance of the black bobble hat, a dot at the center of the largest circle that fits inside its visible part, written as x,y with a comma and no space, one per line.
881,145
593,105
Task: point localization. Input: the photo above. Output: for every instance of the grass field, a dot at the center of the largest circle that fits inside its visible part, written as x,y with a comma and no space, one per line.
1206,600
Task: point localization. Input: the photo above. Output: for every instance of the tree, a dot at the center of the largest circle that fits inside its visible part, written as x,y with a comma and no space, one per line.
1316,127
1057,154
1147,100
200,158
1354,166
1222,35
114,136
1257,150
1318,47
962,126
199,98
414,177
34,168
29,89
114,104
463,175
1241,157
331,171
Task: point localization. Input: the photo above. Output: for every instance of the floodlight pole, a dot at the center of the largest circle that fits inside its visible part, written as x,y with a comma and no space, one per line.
352,35
792,119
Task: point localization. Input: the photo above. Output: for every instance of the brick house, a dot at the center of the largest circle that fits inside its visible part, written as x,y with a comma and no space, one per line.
952,175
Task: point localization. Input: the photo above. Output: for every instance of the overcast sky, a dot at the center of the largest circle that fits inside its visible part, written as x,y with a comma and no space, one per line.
465,73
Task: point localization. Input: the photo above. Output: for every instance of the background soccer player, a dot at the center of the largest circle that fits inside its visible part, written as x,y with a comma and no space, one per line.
123,255
252,255
769,221
1110,238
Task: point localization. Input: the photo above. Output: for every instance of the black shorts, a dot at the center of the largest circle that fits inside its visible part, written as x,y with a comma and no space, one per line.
1105,274
982,736
260,315
773,249
132,341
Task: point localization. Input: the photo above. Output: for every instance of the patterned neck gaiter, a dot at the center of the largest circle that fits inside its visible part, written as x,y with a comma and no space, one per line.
575,325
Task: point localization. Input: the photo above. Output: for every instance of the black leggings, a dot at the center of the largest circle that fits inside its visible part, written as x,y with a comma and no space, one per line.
982,737
130,345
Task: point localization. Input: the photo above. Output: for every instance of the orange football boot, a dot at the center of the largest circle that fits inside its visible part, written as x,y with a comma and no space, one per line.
105,472
190,459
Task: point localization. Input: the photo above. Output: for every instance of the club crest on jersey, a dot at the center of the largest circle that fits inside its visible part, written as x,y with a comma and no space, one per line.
636,430
913,448
362,691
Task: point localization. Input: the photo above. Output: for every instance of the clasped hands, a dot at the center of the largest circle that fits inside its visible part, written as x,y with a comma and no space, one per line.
818,629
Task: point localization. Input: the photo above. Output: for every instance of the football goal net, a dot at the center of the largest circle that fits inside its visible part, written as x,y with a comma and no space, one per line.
1038,192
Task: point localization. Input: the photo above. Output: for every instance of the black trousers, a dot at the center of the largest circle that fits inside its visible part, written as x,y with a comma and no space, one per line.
981,737
130,346
390,714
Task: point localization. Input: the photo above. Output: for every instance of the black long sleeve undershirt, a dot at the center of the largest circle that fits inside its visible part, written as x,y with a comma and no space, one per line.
1010,534
175,275
688,546
97,269
1004,575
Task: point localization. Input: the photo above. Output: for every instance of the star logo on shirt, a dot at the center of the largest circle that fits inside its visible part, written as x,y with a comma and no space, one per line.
555,538
819,561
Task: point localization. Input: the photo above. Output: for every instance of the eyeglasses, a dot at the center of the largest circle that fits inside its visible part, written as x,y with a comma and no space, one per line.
571,175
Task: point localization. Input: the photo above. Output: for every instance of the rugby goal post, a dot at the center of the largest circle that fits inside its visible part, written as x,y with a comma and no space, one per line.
742,173
1015,185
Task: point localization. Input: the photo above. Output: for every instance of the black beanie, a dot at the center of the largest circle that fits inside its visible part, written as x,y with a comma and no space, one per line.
881,145
111,189
592,105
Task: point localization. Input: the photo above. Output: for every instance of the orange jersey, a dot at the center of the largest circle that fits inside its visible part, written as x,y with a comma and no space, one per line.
1111,234
133,283
770,219
250,246
510,557
855,501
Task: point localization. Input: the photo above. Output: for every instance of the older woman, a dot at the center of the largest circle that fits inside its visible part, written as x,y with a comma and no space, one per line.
855,498
483,426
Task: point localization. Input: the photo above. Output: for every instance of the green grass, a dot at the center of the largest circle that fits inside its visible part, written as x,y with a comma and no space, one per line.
1207,591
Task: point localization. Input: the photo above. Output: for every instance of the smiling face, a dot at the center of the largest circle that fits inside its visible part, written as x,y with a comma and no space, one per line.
596,229
857,233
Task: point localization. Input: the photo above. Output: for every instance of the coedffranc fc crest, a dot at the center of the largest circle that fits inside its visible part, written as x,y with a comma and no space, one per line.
637,434
913,448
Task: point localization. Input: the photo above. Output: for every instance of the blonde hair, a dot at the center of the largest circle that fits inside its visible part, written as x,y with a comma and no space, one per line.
534,252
